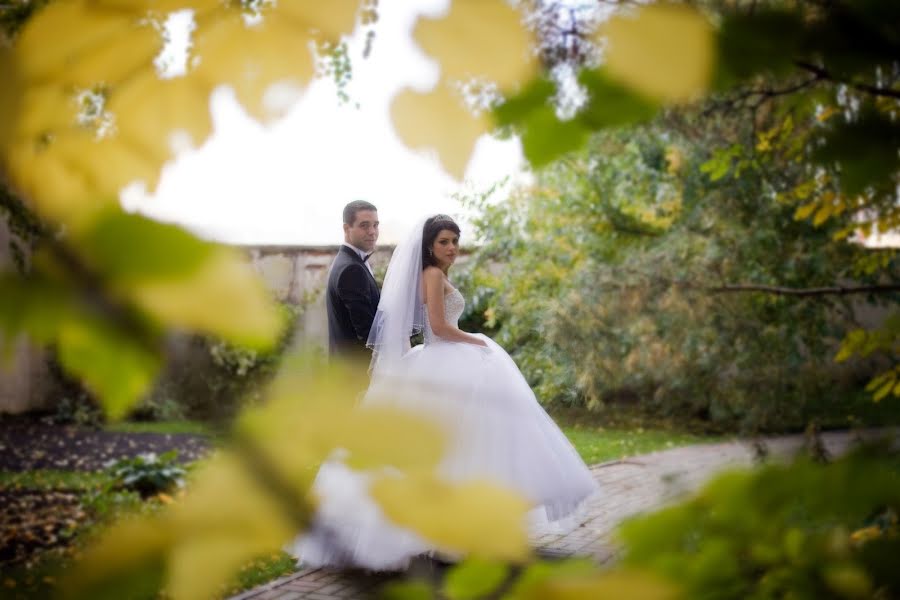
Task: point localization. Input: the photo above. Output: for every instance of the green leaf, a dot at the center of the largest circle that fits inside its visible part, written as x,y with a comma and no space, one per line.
35,306
544,136
406,590
515,110
764,41
865,152
611,103
131,248
474,578
113,365
718,166
538,573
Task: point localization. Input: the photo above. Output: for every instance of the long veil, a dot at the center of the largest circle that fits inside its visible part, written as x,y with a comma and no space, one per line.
400,312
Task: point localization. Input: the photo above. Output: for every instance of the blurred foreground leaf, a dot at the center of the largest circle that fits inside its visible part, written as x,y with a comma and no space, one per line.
472,517
780,531
474,578
663,51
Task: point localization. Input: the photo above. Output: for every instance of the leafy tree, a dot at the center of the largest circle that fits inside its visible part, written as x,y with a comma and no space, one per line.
623,271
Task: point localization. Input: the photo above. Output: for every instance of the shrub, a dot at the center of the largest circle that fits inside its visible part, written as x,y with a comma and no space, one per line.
148,474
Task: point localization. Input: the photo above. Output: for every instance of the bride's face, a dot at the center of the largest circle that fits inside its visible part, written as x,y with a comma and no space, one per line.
445,248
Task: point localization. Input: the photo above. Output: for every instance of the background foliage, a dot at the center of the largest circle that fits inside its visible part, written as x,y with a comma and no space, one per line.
608,278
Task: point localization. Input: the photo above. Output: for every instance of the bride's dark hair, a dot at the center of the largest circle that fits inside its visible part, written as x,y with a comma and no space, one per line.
433,226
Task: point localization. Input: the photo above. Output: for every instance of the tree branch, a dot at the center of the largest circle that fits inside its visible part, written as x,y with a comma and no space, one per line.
761,94
820,291
732,288
823,73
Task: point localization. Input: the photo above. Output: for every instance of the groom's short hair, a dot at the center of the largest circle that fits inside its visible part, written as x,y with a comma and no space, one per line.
354,207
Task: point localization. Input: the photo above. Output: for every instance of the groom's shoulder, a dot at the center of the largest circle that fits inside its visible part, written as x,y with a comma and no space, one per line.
341,259
348,272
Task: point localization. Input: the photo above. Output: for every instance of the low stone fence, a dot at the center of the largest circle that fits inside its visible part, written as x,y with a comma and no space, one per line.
298,275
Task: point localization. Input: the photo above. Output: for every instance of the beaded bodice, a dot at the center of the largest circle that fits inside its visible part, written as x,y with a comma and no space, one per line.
454,304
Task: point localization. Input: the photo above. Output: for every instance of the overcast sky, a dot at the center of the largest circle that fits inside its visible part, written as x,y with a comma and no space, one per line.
287,183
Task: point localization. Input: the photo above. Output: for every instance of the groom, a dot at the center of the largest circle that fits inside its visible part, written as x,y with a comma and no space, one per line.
352,295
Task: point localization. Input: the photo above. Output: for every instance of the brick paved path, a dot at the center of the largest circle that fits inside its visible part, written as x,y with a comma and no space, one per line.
627,486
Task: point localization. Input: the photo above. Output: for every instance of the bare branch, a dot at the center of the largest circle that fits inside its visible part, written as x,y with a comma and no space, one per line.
823,73
820,291
732,288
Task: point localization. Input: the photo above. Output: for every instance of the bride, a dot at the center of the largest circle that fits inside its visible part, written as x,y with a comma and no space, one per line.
464,382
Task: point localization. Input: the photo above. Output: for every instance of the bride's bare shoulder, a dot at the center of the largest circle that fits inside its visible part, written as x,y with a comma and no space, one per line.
433,273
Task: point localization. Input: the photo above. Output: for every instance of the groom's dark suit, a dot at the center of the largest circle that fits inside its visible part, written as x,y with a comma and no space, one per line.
351,300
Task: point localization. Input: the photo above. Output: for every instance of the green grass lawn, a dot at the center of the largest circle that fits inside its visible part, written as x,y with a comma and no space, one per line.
598,444
49,480
195,427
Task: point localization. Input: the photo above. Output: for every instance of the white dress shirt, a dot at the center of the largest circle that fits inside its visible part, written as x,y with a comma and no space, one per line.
362,254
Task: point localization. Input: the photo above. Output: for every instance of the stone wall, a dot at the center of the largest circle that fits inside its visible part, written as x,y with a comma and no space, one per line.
298,275
23,373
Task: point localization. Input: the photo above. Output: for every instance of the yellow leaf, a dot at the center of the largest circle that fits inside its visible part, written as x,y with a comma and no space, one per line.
843,233
62,33
51,108
55,189
822,214
218,529
328,21
224,297
149,111
251,58
473,517
876,381
135,48
845,352
308,418
78,176
804,211
826,113
438,120
10,97
885,389
674,160
480,39
664,51
199,567
127,545
142,8
255,512
109,48
619,584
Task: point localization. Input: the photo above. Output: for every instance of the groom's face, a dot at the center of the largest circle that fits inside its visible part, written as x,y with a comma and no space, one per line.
363,233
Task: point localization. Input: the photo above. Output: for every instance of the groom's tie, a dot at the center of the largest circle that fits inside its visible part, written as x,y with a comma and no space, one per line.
368,266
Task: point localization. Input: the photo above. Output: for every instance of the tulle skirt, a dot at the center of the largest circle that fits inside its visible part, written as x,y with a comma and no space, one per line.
496,430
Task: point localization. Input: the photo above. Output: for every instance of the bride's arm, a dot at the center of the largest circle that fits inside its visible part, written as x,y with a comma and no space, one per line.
434,304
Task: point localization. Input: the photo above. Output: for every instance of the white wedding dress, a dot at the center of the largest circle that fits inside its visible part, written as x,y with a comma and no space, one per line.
495,429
